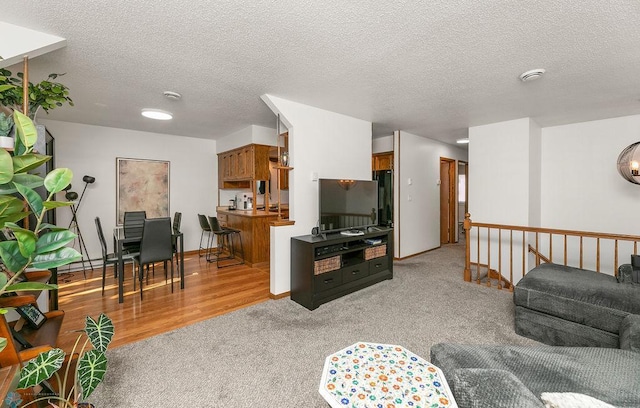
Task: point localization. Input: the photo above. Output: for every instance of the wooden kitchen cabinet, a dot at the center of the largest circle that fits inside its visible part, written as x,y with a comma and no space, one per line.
238,167
382,161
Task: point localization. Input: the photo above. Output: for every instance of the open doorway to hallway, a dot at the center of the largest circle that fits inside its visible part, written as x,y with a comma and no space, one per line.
447,201
453,198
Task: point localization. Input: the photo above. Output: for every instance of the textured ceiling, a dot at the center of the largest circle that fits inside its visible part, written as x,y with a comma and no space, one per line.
430,68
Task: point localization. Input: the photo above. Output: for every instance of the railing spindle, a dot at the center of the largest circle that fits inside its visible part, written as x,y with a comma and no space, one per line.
615,259
511,260
580,252
565,249
537,251
598,255
499,258
488,257
523,259
478,263
551,247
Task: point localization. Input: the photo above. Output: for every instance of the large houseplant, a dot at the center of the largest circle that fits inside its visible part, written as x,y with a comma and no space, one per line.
43,246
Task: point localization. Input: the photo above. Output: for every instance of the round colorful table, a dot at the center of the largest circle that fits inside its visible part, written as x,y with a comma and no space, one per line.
383,376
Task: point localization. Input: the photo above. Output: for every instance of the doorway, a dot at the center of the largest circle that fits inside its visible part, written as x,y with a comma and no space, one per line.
463,195
447,201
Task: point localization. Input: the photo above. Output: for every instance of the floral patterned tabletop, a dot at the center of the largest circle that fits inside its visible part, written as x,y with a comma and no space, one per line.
383,376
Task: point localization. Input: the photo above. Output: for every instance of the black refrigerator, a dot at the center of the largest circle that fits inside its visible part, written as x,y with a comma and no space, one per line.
385,197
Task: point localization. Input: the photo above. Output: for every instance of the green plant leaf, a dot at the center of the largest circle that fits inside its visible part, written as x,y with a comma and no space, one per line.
25,129
13,218
23,286
53,240
10,205
41,368
3,343
58,179
6,87
60,257
26,241
51,227
3,279
6,167
99,332
33,198
56,204
26,162
91,370
11,256
27,180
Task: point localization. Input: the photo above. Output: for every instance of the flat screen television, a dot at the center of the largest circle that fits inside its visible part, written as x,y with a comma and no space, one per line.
347,204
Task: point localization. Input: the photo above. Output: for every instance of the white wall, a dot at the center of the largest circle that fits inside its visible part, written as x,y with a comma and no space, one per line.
92,150
382,144
322,144
581,187
418,207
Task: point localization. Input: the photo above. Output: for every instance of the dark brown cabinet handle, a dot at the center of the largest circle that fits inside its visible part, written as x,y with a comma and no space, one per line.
328,280
357,271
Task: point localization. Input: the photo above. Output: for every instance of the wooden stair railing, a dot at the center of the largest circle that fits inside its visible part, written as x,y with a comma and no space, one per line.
489,257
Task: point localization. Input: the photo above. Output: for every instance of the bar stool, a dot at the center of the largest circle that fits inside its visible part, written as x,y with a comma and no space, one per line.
225,235
204,225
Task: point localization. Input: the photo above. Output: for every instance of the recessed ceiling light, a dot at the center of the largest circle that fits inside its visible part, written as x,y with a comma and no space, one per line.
463,141
532,74
157,114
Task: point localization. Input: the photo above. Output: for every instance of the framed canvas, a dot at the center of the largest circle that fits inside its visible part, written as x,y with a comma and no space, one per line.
142,185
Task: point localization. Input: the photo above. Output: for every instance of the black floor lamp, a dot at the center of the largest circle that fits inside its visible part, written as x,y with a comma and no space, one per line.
73,225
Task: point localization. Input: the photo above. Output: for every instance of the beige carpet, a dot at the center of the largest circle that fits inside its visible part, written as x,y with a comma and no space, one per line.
271,354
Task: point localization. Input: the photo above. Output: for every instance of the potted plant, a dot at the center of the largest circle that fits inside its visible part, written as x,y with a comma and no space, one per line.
43,246
6,125
89,366
47,94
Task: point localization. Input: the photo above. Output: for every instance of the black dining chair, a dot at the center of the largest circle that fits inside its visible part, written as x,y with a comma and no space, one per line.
133,223
224,236
206,229
109,258
177,221
155,246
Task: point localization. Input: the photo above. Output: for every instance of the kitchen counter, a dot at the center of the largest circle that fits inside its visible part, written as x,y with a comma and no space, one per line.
254,229
250,213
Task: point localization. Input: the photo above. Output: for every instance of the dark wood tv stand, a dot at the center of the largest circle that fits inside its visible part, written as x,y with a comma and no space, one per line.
328,267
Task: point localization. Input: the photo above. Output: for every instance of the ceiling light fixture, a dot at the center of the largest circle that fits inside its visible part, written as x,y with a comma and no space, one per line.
532,75
157,114
174,96
463,141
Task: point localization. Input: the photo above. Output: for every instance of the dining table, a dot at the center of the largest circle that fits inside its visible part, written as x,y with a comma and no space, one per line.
119,239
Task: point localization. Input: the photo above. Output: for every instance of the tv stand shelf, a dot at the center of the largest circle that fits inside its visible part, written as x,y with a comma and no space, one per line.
326,268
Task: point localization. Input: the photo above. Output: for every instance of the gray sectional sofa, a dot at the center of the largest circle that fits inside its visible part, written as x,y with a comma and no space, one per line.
560,306
564,306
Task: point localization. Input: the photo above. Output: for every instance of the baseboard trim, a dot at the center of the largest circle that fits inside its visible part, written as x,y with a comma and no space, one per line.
279,296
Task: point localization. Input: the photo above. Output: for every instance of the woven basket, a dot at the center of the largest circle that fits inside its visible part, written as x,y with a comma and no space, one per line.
375,252
326,265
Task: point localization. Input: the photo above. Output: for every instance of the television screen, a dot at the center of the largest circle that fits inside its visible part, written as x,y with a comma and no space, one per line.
347,204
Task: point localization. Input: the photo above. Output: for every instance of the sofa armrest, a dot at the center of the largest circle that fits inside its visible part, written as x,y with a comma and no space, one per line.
630,333
491,388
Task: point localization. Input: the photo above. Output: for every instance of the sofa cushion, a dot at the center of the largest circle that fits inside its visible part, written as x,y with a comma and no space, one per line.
608,374
578,295
555,331
630,333
487,388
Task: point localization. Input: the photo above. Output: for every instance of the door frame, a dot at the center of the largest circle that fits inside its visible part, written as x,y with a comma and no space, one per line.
450,174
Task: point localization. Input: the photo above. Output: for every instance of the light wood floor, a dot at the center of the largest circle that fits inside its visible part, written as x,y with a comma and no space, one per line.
208,292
